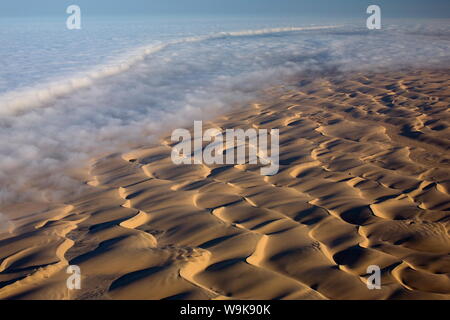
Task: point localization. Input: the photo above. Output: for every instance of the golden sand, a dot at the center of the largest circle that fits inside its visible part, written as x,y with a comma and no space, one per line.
364,180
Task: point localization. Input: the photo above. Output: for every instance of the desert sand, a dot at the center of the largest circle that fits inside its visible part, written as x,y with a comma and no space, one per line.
364,180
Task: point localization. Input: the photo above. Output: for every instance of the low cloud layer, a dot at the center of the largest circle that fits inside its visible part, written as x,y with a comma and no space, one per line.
46,131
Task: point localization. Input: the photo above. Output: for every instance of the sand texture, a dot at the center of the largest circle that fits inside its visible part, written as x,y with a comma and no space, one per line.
364,180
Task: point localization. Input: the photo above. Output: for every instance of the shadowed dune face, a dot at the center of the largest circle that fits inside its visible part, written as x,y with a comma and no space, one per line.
364,180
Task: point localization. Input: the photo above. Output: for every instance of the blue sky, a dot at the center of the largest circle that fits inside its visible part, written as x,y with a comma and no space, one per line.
317,8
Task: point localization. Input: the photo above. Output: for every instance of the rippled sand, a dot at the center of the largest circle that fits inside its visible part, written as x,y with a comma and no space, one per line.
364,180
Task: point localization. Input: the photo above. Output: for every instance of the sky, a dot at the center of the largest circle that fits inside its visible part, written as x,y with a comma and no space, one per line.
317,8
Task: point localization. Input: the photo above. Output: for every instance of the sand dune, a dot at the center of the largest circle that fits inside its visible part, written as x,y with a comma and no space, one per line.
364,180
